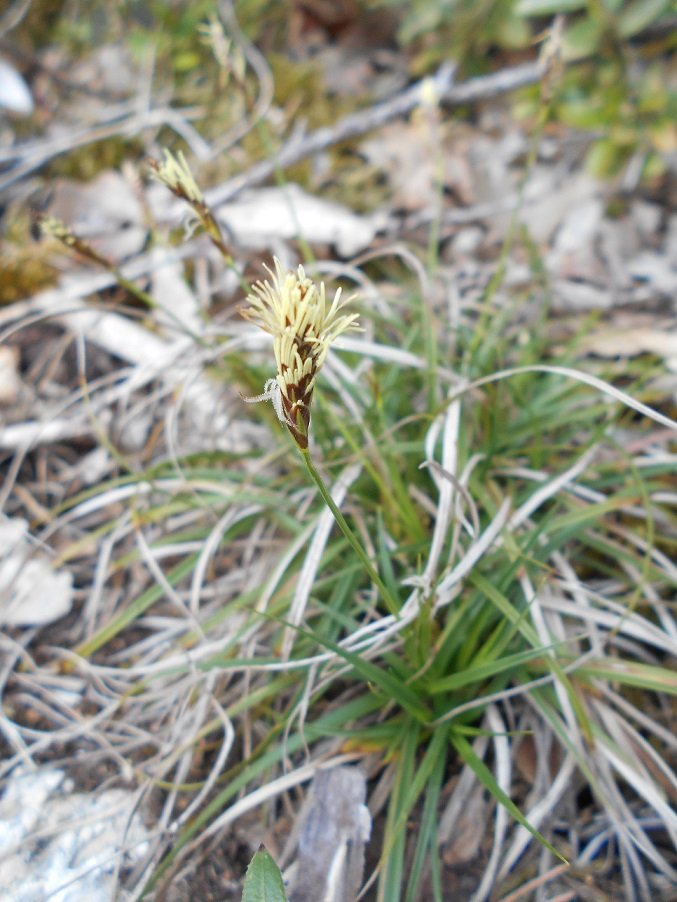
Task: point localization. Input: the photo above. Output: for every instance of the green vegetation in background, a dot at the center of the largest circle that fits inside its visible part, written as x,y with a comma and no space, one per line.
619,91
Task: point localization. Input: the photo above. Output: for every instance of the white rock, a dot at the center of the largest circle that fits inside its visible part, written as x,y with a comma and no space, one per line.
261,216
15,94
60,845
10,381
32,593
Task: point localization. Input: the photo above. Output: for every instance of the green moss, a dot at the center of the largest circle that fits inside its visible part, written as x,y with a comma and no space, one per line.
85,163
23,271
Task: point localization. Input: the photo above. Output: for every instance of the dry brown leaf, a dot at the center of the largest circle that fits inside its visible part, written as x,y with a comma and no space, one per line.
411,154
10,381
105,211
32,593
629,342
468,831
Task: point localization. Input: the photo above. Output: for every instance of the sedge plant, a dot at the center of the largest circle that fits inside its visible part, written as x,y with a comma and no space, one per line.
294,310
490,633
483,637
490,636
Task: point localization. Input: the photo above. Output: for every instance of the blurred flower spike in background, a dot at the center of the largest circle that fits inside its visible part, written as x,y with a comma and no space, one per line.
174,172
294,310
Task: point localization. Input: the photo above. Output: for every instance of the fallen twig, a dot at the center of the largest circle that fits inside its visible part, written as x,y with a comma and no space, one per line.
301,146
32,155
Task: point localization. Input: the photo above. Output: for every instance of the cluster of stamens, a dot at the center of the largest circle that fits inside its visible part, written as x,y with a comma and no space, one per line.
294,310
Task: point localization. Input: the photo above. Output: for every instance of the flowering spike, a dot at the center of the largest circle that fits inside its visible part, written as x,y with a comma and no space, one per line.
55,228
294,310
174,172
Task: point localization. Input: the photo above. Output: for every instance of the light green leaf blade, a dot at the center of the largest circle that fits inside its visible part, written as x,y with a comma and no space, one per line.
547,7
488,780
639,15
263,882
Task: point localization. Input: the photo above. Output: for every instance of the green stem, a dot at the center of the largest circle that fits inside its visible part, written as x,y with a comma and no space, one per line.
390,602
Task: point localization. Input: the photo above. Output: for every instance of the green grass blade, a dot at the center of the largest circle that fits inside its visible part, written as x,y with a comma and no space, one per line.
487,779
